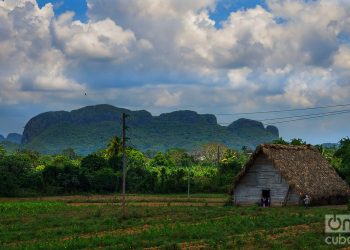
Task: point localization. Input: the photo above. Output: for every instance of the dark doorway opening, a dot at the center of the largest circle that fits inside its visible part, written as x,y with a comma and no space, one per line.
266,198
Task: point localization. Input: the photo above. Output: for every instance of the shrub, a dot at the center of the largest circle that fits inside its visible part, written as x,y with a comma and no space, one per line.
103,180
8,184
94,162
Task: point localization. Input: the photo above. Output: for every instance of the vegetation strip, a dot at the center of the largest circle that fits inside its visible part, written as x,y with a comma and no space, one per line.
93,227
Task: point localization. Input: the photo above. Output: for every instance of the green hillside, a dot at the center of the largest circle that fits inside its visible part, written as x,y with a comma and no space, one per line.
90,128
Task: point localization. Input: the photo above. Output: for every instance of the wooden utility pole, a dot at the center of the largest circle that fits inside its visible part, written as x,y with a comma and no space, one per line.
188,183
124,159
218,155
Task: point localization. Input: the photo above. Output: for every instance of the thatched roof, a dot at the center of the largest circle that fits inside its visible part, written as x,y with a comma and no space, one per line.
304,168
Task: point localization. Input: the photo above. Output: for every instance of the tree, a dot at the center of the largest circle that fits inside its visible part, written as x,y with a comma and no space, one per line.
15,171
344,154
229,167
32,154
114,147
321,149
297,142
140,179
93,162
69,153
161,160
280,141
344,148
210,153
2,151
60,174
180,157
114,153
177,181
103,180
8,183
135,158
17,164
68,178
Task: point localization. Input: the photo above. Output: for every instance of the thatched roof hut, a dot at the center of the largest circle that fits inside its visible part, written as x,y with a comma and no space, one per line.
302,169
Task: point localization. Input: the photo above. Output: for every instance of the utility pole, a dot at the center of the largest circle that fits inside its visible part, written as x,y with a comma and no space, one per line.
188,183
218,155
124,159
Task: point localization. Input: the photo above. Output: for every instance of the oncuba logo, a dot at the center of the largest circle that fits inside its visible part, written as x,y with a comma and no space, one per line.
337,223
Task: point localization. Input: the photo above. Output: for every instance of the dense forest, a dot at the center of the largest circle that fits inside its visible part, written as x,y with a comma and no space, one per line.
89,129
211,168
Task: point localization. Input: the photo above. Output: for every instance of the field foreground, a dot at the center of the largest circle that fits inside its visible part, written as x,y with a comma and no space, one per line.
158,222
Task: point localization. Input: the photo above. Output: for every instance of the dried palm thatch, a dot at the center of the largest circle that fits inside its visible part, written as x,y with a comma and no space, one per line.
304,168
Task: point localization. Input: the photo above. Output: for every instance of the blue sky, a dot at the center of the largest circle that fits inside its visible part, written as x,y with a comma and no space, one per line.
211,56
222,11
60,6
225,7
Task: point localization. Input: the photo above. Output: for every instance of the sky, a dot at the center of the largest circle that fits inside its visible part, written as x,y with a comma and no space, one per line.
210,56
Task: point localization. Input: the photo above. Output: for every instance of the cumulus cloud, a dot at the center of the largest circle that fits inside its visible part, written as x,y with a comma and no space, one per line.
342,57
38,49
29,62
156,53
102,39
290,34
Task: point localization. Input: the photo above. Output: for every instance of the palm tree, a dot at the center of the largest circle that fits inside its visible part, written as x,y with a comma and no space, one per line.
114,147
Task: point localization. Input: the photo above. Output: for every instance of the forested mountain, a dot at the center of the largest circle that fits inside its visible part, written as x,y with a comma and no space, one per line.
90,128
12,137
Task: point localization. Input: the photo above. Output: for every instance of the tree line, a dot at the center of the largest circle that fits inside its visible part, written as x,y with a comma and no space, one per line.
211,168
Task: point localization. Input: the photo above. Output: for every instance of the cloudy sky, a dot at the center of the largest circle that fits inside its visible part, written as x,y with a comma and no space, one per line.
211,56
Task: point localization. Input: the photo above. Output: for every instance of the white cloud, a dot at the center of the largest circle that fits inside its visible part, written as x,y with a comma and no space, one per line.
37,50
168,53
29,62
95,40
53,78
165,98
342,58
12,4
311,87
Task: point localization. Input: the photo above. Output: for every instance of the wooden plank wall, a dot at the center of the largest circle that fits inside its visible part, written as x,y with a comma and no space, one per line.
262,175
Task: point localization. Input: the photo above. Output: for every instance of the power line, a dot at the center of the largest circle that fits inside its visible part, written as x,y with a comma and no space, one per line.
306,115
295,116
284,110
311,117
278,119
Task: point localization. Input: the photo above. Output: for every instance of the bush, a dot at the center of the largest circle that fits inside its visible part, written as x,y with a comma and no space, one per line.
94,162
9,185
103,180
141,180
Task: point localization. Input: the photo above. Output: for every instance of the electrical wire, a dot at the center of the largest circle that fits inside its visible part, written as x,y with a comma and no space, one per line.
284,110
307,118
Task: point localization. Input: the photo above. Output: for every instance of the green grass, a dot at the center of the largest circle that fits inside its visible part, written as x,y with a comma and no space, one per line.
56,225
19,208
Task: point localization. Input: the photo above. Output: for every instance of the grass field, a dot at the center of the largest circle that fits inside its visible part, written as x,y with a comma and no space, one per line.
157,222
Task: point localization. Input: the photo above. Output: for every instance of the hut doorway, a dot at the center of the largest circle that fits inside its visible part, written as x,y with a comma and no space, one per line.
266,198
